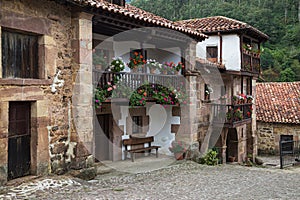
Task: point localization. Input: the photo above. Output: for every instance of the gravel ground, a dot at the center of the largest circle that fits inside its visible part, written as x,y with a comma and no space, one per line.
185,180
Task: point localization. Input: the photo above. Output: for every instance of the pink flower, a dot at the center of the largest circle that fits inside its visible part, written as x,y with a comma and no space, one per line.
114,86
165,99
109,89
97,101
108,83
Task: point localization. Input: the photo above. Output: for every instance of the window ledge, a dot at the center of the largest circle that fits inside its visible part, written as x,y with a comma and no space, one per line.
24,82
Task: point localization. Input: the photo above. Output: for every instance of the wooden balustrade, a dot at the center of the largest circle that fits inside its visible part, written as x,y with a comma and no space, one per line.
136,80
231,115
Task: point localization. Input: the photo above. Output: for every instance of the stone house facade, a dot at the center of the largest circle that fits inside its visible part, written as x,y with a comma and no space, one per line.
278,113
234,47
46,81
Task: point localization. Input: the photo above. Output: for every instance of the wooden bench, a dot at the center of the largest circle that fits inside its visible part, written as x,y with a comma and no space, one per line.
137,146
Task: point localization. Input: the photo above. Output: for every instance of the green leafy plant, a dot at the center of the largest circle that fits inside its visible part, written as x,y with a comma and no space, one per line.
117,65
153,64
210,158
137,60
179,66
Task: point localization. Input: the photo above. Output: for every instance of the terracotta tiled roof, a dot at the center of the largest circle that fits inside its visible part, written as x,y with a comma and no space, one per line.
278,102
219,24
139,14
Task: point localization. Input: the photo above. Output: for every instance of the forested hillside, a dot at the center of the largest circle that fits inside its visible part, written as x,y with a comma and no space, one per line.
280,19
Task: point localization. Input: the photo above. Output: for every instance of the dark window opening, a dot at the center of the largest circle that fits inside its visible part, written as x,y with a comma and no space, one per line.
19,55
207,92
137,124
212,54
249,86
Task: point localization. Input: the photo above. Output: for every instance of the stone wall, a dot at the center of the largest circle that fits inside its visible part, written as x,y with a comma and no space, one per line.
269,136
53,131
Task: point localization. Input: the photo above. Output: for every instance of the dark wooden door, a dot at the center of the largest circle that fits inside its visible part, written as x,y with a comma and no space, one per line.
19,139
103,138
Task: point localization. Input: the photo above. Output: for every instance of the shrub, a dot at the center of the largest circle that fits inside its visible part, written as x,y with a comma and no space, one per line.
210,158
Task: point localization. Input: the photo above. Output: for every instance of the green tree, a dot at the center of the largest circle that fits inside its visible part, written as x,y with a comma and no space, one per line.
287,75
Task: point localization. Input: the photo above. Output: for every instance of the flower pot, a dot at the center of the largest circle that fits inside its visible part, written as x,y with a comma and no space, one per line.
179,156
165,72
152,70
134,69
231,158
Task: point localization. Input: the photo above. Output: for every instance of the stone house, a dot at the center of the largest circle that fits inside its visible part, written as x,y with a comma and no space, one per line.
49,70
235,47
278,113
48,123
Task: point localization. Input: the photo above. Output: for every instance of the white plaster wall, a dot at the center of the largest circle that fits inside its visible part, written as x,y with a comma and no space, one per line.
160,120
160,126
231,55
213,41
231,52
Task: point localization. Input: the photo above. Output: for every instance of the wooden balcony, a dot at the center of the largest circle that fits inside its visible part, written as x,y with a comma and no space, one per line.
251,62
231,115
135,80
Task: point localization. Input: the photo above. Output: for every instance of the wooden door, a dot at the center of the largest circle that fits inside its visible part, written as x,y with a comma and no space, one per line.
103,138
19,139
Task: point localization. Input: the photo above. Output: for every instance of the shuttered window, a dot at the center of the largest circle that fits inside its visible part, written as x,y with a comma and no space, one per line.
19,55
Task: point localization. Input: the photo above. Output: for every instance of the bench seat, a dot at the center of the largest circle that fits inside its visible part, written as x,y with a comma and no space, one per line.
134,141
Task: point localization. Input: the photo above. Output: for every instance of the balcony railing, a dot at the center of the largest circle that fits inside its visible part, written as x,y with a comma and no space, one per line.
136,80
251,62
231,115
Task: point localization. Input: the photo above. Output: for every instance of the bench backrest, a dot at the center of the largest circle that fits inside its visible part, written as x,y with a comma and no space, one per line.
136,140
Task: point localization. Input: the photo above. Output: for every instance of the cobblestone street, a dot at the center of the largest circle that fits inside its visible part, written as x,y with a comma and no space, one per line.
186,180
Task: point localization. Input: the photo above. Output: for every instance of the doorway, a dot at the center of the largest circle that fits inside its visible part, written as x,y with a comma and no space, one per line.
232,145
19,137
103,138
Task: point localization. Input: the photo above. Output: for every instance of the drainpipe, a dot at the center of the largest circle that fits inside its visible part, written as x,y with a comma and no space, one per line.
221,48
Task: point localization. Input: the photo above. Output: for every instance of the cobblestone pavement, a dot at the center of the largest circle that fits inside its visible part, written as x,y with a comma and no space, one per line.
185,180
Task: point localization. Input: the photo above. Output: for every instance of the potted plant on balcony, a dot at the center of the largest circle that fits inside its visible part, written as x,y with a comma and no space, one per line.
101,94
179,67
168,68
153,65
117,65
136,61
249,98
237,114
179,149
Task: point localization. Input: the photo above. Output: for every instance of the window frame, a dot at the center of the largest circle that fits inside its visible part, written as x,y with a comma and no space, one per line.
137,124
36,71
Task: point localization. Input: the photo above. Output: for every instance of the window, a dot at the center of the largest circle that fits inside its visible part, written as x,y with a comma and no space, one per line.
19,55
137,124
207,92
212,54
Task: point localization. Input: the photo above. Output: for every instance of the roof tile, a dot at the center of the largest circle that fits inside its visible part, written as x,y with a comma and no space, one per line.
137,13
218,23
278,102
